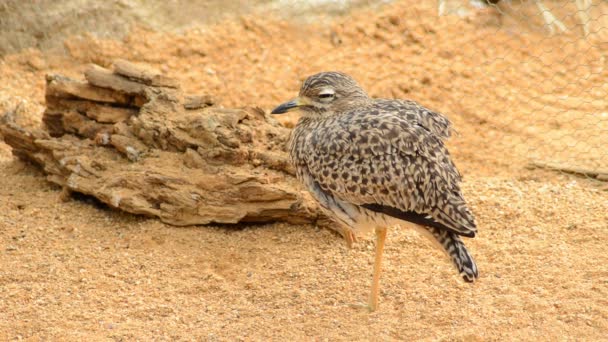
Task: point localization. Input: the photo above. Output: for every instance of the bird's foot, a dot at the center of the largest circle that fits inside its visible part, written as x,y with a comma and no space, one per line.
350,237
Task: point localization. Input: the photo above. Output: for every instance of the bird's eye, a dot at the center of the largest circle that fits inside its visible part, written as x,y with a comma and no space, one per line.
326,95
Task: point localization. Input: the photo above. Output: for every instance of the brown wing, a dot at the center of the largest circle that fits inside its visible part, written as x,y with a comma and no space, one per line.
377,159
413,112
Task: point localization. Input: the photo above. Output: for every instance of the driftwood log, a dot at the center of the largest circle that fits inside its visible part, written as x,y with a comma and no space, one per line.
598,174
131,139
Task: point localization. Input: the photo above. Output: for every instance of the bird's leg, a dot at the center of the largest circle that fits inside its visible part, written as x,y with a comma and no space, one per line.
373,296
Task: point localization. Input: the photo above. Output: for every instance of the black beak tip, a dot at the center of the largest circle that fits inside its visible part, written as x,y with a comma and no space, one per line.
285,107
278,110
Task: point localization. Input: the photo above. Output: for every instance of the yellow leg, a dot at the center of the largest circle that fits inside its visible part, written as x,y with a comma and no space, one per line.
373,296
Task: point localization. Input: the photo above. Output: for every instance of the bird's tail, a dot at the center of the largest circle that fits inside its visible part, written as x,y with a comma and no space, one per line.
457,251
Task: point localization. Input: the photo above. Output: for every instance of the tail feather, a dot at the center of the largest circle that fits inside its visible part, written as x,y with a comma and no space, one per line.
458,253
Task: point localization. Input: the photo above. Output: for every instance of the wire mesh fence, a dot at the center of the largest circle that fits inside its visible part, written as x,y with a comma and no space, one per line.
547,69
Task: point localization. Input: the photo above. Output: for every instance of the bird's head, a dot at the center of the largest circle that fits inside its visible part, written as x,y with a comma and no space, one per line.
324,94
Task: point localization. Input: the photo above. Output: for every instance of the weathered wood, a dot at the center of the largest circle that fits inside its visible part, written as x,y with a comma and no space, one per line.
64,87
143,74
107,114
592,173
183,166
99,112
131,147
63,119
20,139
105,78
198,101
53,122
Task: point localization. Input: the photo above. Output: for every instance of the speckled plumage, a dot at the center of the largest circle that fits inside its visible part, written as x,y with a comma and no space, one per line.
373,162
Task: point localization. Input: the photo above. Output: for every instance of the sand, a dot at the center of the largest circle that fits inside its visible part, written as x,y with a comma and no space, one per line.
75,270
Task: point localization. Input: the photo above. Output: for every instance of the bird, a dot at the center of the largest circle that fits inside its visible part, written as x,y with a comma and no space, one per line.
374,164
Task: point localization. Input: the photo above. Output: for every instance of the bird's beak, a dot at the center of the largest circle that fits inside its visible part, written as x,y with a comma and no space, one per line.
290,106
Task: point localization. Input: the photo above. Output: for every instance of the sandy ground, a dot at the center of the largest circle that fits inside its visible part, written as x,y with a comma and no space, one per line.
75,270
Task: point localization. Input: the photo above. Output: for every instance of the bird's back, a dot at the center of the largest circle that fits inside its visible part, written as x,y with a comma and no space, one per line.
416,113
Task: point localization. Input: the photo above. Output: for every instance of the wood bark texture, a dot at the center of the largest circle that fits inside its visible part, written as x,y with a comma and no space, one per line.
130,138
